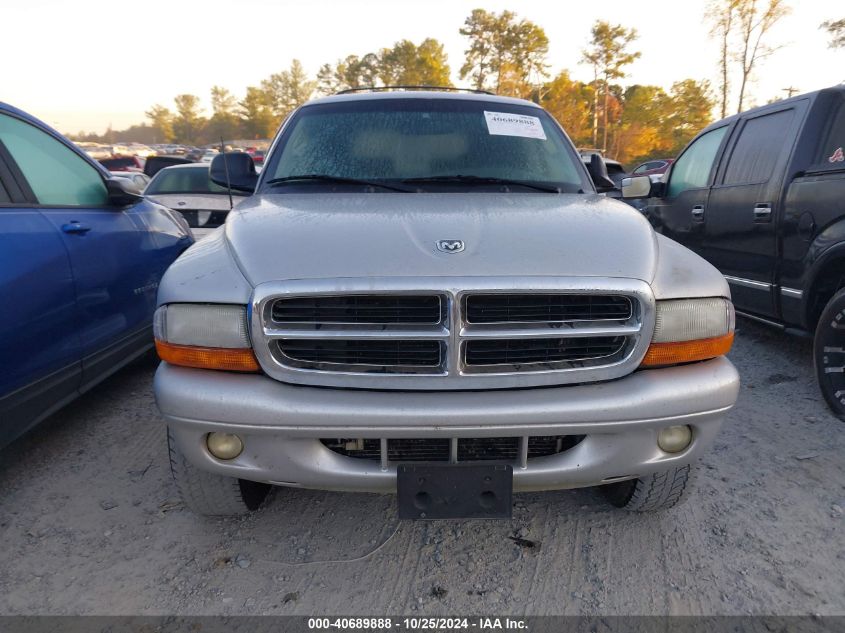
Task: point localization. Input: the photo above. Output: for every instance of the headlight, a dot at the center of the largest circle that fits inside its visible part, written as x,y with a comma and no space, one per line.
208,336
688,330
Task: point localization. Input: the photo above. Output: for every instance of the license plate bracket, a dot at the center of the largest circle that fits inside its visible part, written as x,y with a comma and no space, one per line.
454,491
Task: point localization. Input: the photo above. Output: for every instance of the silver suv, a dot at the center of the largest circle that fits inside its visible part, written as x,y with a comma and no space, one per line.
425,295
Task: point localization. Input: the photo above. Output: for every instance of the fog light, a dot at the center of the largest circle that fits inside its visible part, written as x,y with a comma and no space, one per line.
224,445
674,439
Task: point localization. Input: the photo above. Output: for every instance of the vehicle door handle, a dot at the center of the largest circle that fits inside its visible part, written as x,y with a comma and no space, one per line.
75,227
698,213
762,212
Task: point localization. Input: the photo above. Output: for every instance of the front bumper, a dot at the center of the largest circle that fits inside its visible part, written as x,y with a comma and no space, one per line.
280,424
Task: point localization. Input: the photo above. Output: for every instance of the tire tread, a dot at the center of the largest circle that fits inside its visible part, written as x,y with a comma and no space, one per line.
203,492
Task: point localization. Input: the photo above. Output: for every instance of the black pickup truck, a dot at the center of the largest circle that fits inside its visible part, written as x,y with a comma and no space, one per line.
761,195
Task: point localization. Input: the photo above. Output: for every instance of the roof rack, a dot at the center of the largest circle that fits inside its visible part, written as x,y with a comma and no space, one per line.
389,88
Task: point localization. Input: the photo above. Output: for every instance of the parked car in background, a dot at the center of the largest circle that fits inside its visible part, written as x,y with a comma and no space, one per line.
614,168
652,167
155,164
143,151
81,257
95,150
188,190
138,180
123,163
208,155
761,195
257,156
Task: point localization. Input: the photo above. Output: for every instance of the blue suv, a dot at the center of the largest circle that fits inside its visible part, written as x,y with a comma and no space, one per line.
80,262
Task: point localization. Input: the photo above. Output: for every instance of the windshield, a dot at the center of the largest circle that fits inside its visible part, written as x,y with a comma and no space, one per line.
425,145
183,180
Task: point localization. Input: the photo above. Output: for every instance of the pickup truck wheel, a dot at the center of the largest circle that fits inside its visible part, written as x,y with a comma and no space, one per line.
209,494
657,491
829,353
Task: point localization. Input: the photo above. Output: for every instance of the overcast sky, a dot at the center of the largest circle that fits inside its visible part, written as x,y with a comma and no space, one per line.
88,64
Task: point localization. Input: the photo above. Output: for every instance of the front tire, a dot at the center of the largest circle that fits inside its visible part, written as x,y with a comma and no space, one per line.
651,493
208,494
829,353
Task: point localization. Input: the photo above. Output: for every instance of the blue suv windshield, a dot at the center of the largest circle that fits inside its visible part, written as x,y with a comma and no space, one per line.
425,144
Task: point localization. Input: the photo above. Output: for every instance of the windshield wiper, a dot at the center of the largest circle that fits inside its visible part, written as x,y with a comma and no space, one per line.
481,180
337,179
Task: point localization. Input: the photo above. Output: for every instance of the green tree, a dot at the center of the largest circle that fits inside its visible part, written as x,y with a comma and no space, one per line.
256,114
161,120
836,30
224,119
188,122
407,64
691,106
505,55
288,89
351,72
608,55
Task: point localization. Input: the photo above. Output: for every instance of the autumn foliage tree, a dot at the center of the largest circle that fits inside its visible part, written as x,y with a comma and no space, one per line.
608,55
505,55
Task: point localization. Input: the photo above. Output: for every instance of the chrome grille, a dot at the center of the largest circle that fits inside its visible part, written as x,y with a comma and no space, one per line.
451,333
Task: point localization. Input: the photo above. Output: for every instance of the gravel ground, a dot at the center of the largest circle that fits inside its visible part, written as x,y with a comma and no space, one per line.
91,524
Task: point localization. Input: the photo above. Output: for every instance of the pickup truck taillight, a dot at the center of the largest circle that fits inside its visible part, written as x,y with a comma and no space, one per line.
206,336
688,330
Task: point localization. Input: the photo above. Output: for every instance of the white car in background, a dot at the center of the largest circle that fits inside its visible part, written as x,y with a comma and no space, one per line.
188,189
209,155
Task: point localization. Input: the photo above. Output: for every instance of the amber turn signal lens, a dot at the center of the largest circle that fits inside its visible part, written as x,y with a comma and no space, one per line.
207,357
687,351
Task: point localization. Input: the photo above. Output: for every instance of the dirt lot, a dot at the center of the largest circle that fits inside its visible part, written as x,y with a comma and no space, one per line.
90,524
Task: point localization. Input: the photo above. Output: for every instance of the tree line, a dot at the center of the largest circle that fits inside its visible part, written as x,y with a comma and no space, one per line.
506,55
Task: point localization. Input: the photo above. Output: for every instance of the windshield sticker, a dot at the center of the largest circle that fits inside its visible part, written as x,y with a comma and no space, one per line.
838,156
506,124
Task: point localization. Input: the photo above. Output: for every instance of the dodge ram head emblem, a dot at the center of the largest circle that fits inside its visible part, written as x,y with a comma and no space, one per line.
450,246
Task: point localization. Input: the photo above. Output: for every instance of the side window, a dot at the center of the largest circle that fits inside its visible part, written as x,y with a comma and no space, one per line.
833,146
640,169
56,175
758,148
692,169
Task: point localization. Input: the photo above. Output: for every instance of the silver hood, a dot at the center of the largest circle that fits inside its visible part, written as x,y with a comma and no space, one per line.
306,236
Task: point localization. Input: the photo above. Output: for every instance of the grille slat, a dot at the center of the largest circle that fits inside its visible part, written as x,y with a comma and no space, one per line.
469,449
547,350
359,309
387,352
549,308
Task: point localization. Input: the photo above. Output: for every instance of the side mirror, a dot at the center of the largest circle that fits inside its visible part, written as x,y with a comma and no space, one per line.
235,170
122,193
636,187
598,172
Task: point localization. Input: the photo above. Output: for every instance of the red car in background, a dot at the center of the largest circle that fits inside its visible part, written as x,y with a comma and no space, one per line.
257,155
650,167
